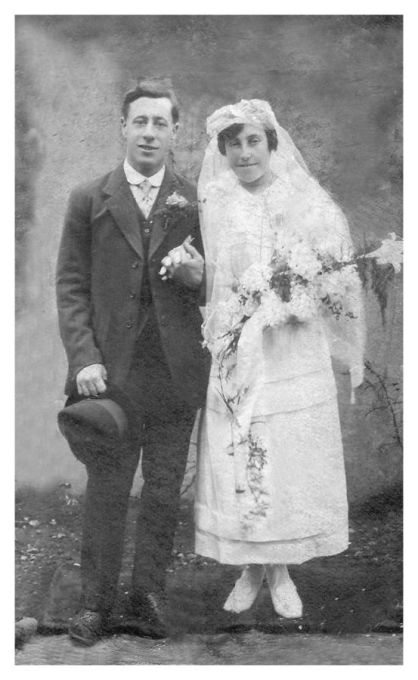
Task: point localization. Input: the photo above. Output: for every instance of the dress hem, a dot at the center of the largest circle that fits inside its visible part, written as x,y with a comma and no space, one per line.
270,552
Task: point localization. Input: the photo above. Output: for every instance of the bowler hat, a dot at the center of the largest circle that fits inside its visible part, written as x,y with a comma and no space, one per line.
93,424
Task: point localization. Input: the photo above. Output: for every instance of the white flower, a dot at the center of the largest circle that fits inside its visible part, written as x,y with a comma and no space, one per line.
255,279
336,284
233,308
250,306
390,252
304,261
303,303
176,200
273,311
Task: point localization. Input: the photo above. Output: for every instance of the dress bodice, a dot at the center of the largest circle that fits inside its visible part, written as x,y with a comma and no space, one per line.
251,225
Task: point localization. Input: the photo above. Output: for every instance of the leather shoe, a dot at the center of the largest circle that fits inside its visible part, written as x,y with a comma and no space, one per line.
147,615
87,627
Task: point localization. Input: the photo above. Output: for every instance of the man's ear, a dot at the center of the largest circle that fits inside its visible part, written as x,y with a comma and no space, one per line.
123,126
175,130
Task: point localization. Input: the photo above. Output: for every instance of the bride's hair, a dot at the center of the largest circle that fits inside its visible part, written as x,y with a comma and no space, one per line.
234,130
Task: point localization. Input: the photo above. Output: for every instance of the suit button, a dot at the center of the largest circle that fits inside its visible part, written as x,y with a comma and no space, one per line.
134,264
129,324
132,296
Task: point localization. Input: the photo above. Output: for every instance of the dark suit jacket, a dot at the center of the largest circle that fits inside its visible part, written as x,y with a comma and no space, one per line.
99,275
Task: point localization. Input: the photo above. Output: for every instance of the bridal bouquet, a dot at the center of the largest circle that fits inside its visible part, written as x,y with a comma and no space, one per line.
299,282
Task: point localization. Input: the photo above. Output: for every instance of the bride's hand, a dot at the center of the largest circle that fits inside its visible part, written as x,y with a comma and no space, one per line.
184,264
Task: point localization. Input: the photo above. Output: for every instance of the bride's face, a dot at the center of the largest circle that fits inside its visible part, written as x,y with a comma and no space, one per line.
248,154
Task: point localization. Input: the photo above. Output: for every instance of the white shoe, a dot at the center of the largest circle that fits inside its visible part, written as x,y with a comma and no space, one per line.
246,589
284,595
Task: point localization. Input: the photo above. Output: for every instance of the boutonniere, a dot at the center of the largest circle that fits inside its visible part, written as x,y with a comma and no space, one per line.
176,206
176,200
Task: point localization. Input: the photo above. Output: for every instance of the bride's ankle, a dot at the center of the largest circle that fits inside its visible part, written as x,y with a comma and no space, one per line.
254,570
277,572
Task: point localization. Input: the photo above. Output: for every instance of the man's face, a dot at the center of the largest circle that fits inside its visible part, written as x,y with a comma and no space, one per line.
248,154
149,131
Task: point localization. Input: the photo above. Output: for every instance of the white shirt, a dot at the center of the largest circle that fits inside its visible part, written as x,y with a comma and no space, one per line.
144,201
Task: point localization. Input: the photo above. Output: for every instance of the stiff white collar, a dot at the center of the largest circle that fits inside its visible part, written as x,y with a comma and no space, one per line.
135,177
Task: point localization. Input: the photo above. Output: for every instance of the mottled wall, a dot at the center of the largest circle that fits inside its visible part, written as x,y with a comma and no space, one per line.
335,83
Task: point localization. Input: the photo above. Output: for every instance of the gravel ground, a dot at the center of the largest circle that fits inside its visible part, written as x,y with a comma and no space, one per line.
349,600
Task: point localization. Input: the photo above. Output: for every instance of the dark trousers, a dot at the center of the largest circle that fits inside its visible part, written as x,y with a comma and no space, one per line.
161,424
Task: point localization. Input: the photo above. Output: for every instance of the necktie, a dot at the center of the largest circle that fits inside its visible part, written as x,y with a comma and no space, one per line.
146,200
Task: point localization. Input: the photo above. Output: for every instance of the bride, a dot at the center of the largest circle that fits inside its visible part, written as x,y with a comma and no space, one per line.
271,487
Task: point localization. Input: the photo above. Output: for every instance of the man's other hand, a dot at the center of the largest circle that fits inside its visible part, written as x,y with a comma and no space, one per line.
91,380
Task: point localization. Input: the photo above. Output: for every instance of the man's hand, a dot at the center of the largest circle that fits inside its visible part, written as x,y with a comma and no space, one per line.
185,264
91,380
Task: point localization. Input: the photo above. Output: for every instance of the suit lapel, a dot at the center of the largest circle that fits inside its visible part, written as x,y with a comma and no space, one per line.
158,232
121,204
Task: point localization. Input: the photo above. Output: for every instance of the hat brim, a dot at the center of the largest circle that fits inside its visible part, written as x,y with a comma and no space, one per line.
92,425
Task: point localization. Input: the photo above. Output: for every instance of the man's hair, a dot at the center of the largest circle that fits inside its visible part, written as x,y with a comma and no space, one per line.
234,130
154,88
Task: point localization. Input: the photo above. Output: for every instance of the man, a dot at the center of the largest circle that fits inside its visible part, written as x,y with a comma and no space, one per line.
131,331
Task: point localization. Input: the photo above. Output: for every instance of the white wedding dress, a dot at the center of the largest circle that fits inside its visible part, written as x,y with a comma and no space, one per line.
296,406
